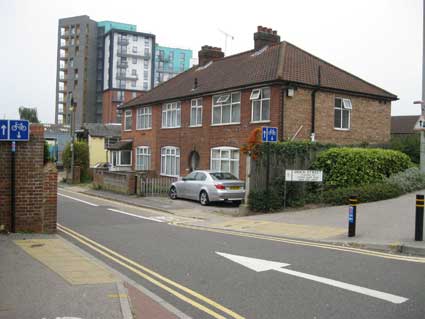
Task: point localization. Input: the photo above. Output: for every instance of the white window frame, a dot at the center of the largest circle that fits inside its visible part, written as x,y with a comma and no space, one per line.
134,49
168,119
170,154
143,158
118,155
222,149
258,95
196,104
128,114
144,118
346,106
226,99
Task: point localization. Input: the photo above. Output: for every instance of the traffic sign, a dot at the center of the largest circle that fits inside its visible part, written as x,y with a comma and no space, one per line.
14,130
420,124
4,130
269,134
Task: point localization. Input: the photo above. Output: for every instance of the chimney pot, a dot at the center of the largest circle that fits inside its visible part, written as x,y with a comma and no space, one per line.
265,36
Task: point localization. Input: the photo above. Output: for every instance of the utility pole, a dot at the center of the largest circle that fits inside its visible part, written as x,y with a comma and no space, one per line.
72,109
422,149
226,36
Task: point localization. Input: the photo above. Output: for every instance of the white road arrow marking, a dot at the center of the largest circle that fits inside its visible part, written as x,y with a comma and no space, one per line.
260,265
3,129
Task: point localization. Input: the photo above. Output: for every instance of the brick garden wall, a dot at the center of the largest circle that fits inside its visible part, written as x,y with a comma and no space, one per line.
36,186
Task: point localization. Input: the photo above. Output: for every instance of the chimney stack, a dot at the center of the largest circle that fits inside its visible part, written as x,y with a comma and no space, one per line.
265,36
209,53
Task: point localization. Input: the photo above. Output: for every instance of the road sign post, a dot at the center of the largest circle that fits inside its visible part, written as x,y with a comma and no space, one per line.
269,135
419,218
14,131
352,218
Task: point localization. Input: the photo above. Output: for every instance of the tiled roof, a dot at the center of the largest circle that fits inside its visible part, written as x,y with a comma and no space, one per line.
403,124
281,62
102,130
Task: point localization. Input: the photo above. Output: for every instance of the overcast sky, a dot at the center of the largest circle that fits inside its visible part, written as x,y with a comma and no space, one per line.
379,41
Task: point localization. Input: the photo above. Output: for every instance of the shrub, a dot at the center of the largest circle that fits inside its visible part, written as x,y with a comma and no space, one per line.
365,193
408,181
344,167
46,155
81,158
257,200
409,145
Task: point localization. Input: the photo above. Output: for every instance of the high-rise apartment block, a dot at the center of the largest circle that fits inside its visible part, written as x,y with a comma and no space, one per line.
103,64
169,62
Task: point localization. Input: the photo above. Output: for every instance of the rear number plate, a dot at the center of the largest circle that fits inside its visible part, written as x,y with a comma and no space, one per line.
234,187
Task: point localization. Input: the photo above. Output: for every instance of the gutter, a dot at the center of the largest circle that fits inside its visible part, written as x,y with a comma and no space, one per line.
313,106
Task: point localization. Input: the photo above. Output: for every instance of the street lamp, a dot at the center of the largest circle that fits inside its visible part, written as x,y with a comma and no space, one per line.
72,107
422,145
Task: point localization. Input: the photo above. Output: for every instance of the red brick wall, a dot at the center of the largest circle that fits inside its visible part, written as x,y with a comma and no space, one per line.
32,191
109,104
297,111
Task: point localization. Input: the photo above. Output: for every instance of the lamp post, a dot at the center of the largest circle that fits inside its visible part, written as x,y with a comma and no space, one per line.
72,109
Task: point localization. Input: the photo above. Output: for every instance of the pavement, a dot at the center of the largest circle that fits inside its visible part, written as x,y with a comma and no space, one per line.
45,276
385,225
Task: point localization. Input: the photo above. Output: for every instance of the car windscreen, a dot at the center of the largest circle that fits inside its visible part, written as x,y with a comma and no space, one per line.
223,176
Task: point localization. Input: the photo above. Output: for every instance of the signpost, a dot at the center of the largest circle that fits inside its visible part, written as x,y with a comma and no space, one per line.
14,131
269,134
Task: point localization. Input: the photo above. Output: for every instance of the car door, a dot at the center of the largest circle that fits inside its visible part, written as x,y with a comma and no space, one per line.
187,184
199,183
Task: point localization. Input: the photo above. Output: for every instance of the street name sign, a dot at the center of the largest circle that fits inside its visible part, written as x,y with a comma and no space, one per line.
269,134
14,130
303,176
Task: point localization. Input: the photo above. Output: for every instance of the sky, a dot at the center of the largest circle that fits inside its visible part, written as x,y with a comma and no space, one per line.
380,41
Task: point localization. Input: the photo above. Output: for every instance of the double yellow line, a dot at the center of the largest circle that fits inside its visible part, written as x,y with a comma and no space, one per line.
156,279
306,243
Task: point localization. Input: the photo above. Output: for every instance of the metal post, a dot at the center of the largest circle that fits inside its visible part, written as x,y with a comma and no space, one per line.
419,218
267,208
13,190
72,143
352,218
422,147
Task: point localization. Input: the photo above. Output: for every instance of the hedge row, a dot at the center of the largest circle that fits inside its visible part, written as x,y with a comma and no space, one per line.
343,167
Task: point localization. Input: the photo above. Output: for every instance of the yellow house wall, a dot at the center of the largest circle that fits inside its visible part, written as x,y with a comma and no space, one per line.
97,152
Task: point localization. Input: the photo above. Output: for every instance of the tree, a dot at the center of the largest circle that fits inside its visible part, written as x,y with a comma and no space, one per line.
29,114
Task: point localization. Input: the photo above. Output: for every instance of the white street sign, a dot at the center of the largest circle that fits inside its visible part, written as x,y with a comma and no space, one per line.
303,176
260,265
420,124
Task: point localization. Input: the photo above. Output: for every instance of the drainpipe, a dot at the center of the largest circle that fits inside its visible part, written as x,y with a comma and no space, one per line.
313,107
282,96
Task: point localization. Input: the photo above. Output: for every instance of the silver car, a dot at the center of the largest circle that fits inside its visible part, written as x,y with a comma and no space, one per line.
209,186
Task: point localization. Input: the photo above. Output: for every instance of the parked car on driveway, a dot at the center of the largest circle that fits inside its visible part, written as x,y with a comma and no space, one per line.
209,186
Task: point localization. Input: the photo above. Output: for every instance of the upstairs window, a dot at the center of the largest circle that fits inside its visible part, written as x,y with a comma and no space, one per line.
171,115
260,105
342,115
226,108
128,119
144,118
196,112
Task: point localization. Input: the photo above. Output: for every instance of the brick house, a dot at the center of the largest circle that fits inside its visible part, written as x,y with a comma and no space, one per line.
201,118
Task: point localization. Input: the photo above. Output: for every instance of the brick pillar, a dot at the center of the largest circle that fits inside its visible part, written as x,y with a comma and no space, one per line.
50,184
5,165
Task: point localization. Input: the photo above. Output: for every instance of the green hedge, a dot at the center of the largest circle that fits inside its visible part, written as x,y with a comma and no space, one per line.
344,167
81,158
257,200
409,145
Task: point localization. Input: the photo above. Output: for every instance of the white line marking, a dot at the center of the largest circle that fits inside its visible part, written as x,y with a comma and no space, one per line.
78,200
134,215
361,290
260,265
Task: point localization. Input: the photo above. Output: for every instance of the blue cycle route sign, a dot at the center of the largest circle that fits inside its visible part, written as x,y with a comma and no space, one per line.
269,134
14,130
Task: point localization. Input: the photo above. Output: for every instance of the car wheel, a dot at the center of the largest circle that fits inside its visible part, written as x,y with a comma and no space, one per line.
173,192
236,202
203,198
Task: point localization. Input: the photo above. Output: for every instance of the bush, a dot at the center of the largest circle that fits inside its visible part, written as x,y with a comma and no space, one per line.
81,158
46,155
408,181
257,200
409,145
364,193
344,167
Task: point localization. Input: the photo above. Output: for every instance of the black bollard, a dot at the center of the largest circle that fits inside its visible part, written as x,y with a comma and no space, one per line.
352,211
419,220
